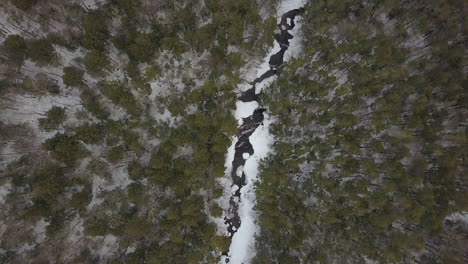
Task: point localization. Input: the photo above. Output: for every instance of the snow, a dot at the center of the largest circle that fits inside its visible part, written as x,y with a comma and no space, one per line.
119,179
13,22
239,171
266,83
108,246
287,5
130,249
40,230
166,116
294,44
230,156
243,242
242,248
264,66
24,248
459,216
76,232
29,109
244,110
4,191
91,4
226,184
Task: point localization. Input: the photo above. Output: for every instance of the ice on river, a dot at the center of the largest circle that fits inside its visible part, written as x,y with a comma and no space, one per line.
242,248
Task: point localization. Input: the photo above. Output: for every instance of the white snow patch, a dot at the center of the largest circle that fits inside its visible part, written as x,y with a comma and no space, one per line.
91,4
4,191
40,230
226,184
239,171
24,248
28,110
76,232
109,245
119,179
264,66
460,216
266,83
245,155
244,110
295,46
230,157
285,6
130,249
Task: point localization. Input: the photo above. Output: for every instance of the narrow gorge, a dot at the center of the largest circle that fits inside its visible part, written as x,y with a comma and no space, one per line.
252,145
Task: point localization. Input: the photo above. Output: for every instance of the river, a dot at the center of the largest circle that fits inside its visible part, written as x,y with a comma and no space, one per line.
253,142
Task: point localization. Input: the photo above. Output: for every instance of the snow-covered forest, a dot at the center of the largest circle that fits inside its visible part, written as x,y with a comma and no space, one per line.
370,148
233,131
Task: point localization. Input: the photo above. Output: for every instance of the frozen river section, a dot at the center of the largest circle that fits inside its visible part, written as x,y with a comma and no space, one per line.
253,141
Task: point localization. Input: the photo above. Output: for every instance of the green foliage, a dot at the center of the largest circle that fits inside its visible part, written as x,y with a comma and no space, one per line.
14,47
132,142
115,154
56,223
96,32
121,96
81,199
54,118
99,168
90,133
136,171
24,4
96,227
135,192
72,76
186,156
49,183
358,158
174,44
92,104
41,51
216,211
40,208
368,124
142,48
138,228
221,243
95,62
65,149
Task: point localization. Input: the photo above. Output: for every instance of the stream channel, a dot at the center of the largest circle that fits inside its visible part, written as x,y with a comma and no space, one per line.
233,221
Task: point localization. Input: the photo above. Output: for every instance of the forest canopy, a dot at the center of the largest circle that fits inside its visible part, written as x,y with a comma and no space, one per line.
121,122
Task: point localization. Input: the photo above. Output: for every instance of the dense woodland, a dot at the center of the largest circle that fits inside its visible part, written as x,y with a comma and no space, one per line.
370,146
116,117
